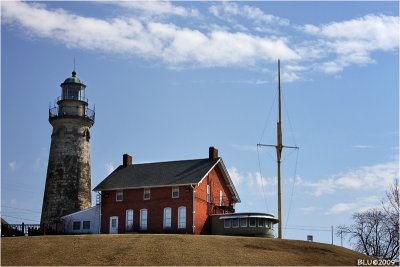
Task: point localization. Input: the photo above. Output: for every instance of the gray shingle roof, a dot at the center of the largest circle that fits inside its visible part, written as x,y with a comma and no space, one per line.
168,173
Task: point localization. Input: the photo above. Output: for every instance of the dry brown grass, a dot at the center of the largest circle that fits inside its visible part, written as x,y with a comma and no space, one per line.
149,249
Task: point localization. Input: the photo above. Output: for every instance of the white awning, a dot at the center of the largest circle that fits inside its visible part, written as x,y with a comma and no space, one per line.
261,216
246,216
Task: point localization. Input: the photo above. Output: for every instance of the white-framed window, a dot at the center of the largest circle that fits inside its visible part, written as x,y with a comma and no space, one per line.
208,193
227,223
146,194
86,225
167,217
235,223
268,223
143,219
129,220
243,222
182,217
252,222
260,222
221,198
76,226
119,196
175,192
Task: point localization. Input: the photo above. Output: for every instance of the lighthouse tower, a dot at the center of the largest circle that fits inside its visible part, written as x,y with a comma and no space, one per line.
68,185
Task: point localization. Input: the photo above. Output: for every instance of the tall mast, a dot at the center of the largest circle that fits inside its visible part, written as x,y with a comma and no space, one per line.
279,148
278,154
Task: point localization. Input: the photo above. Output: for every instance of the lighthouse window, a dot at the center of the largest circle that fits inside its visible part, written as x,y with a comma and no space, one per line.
252,222
243,222
227,223
260,222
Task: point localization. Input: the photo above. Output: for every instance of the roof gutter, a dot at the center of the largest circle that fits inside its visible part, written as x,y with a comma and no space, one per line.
194,210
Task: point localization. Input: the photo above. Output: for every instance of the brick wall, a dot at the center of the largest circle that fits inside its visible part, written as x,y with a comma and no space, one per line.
160,198
203,209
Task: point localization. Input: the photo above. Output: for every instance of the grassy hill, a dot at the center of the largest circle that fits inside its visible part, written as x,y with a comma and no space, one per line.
150,249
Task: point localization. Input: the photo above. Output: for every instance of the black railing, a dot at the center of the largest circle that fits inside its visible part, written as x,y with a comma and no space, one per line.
72,97
54,113
21,229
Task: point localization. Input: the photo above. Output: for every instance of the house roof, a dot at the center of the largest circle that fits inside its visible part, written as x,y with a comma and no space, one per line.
170,173
4,221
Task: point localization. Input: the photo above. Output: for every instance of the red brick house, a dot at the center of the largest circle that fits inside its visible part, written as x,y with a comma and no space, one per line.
166,197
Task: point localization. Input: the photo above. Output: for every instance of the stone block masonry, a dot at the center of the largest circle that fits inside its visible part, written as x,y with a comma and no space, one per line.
68,181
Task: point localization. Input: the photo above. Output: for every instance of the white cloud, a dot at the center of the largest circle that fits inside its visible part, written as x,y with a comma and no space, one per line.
109,167
367,177
228,10
245,147
235,176
298,180
363,146
173,45
353,41
12,165
308,210
262,181
328,48
361,204
158,8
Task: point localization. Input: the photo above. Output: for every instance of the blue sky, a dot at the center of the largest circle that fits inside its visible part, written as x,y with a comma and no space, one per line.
170,79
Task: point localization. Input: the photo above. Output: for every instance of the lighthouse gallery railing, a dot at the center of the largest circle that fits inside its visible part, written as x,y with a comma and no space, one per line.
54,113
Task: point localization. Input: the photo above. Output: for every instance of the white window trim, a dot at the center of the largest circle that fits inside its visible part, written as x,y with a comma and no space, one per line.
170,218
140,222
208,193
116,196
221,198
260,220
237,224
230,223
144,194
267,224
255,222
179,217
240,224
176,187
126,218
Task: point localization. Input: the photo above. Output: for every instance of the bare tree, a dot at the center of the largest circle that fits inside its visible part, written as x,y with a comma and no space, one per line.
375,232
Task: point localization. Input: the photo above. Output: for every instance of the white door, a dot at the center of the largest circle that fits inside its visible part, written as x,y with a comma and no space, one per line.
114,225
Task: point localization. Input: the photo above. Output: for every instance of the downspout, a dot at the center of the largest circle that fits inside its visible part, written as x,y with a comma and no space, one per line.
100,204
194,211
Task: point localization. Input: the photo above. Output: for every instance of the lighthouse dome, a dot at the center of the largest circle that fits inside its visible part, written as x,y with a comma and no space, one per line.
73,79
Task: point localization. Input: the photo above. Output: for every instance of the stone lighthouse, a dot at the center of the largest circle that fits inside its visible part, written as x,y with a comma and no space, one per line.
68,181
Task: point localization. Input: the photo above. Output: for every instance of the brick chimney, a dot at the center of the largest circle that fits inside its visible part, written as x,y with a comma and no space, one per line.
212,153
127,160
